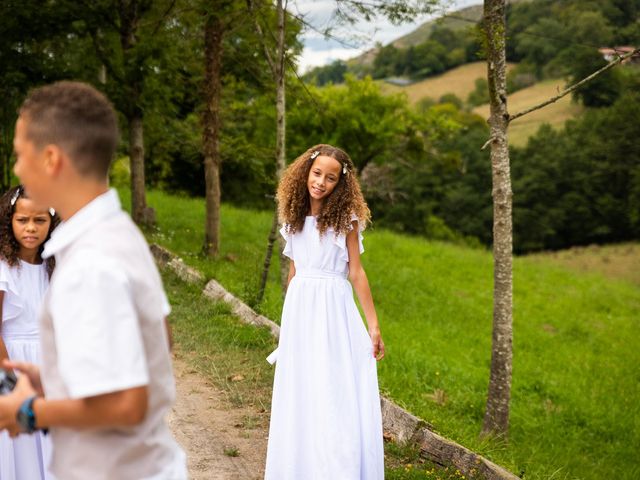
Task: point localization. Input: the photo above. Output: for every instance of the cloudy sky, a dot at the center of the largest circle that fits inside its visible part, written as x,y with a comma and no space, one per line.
319,50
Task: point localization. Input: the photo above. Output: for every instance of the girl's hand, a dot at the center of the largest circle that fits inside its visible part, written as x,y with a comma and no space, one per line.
31,371
378,344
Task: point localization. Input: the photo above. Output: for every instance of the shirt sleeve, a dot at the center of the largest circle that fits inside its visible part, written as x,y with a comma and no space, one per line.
97,330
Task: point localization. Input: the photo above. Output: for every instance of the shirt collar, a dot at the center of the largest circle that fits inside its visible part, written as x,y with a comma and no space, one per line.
94,212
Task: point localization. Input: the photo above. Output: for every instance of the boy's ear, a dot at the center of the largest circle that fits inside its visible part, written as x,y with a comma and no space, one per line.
54,158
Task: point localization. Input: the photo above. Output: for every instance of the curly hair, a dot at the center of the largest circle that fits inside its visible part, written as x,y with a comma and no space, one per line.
9,246
338,208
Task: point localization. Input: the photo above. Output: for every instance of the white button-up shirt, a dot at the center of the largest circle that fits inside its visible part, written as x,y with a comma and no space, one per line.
102,331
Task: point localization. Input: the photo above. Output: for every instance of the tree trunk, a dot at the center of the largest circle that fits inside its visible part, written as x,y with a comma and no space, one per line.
281,128
267,259
278,72
213,35
496,420
129,17
6,148
140,213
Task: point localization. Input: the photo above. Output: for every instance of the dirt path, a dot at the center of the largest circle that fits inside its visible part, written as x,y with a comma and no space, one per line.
222,442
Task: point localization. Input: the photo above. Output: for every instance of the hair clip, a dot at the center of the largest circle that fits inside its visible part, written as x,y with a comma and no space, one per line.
344,168
314,155
52,212
14,199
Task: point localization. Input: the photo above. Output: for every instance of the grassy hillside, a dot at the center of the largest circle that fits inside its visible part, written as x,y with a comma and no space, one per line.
459,81
555,114
459,19
576,393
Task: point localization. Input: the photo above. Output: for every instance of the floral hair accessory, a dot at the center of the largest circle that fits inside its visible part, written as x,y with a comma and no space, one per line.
344,168
315,154
15,197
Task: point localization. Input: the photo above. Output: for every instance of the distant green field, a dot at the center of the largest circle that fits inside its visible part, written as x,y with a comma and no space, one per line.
576,383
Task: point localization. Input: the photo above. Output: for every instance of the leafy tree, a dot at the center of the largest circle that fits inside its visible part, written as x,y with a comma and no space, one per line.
332,73
452,99
579,186
480,94
370,126
445,37
604,89
385,62
31,54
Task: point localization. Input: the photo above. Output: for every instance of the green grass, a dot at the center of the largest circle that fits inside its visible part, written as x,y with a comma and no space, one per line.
575,410
219,346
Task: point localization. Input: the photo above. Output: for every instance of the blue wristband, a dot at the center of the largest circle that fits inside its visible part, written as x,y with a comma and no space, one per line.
26,416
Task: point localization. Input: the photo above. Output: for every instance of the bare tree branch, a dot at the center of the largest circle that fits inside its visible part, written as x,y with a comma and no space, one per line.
163,17
570,89
267,53
325,32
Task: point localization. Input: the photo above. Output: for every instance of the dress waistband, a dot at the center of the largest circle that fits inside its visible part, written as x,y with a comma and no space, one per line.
30,337
319,273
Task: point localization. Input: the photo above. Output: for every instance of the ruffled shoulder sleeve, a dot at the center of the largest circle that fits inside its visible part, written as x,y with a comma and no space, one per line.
341,240
9,285
7,280
288,249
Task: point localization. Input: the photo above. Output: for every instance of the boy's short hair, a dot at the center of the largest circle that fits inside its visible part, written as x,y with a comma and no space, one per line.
79,119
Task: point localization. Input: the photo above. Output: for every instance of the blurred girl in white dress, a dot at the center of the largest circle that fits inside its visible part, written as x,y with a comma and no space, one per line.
24,278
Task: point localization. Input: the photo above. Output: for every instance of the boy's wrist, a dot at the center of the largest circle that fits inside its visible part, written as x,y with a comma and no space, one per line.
25,416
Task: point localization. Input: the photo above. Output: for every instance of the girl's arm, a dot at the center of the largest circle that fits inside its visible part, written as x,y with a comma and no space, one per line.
360,283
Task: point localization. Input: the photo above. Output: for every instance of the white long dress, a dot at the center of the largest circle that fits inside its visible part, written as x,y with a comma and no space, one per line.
325,415
26,457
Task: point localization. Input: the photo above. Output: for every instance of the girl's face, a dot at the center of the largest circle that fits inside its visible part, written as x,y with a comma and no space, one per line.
323,177
30,224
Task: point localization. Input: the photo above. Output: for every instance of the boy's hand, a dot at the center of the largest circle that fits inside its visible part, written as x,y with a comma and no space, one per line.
10,404
27,369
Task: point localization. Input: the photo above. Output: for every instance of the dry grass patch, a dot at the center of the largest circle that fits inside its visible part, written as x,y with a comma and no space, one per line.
620,262
459,81
555,114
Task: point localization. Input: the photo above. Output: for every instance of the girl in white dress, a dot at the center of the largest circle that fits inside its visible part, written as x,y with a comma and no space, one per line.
24,277
325,415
